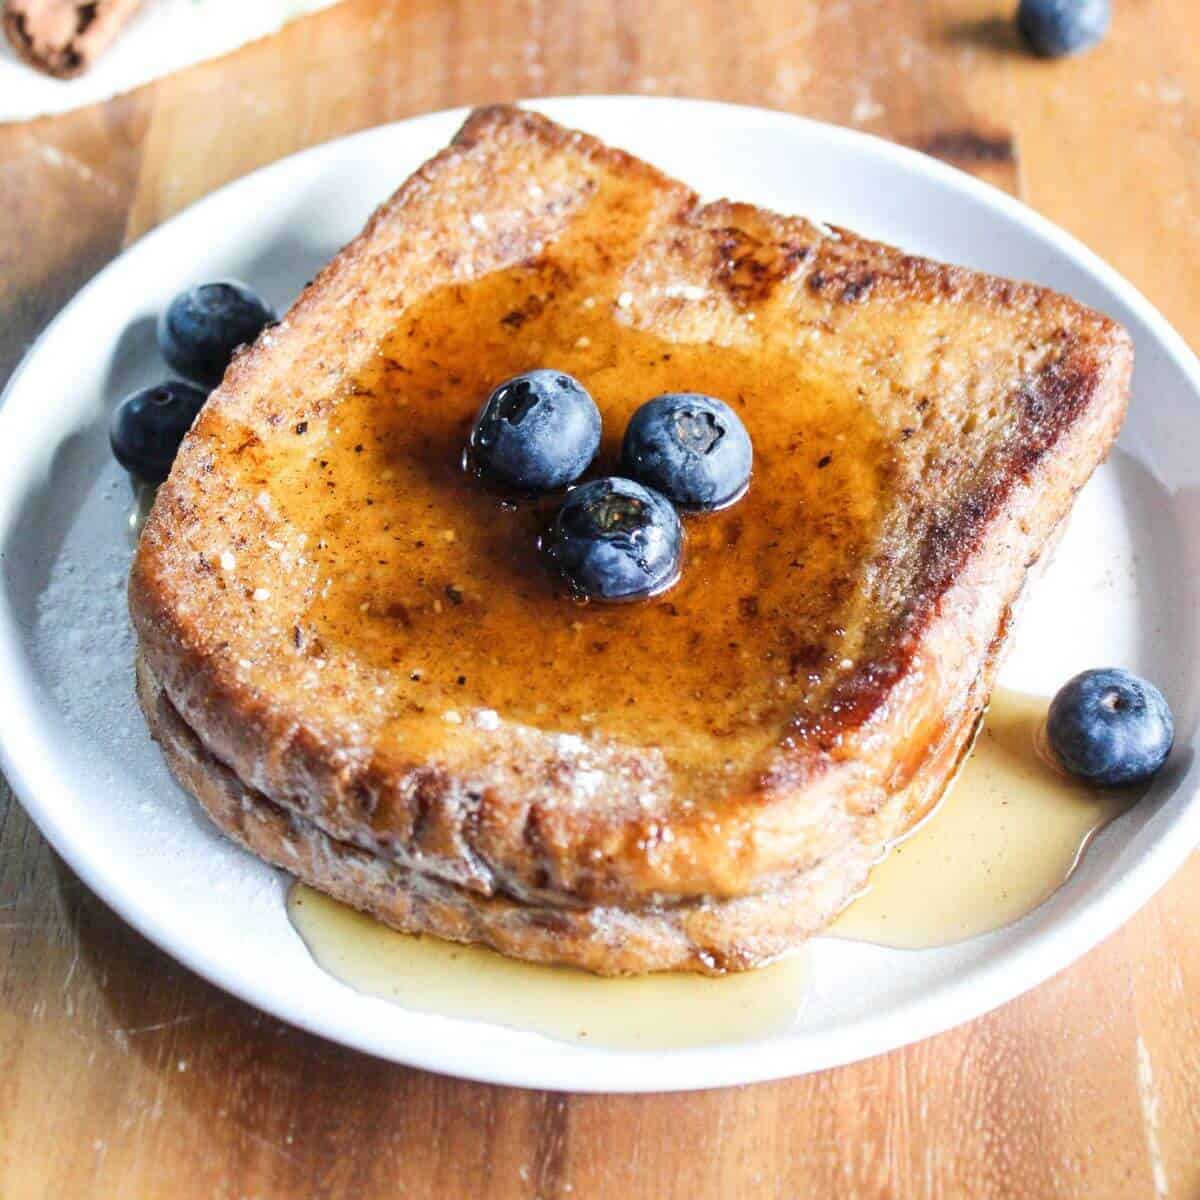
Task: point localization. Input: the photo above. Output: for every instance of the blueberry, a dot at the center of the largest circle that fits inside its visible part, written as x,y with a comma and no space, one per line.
537,432
691,448
616,540
148,426
202,327
1055,28
1110,727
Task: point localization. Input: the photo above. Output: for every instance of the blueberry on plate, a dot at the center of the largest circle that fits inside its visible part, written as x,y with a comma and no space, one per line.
1109,727
1055,28
537,432
690,447
616,540
148,426
202,327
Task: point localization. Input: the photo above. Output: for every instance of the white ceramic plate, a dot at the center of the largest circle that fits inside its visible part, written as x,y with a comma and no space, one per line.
1121,591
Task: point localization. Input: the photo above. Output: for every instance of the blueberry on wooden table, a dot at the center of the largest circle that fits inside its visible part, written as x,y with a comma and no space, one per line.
1056,28
692,448
202,327
537,432
148,426
614,539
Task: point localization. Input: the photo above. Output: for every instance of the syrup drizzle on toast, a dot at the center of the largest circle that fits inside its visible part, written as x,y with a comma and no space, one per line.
439,581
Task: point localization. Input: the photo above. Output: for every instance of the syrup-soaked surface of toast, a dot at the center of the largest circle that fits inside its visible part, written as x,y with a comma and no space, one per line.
437,578
367,635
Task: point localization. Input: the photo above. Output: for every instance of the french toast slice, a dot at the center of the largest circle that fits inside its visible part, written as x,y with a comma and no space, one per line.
354,658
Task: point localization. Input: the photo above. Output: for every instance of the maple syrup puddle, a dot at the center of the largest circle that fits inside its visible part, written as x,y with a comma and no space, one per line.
647,1012
1008,835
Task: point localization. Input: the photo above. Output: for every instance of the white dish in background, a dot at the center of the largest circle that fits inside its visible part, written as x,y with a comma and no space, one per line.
1121,591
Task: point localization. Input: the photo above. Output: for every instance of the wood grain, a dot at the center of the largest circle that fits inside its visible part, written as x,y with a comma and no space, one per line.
121,1074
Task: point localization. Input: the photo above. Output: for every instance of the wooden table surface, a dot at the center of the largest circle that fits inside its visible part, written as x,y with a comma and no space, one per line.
123,1075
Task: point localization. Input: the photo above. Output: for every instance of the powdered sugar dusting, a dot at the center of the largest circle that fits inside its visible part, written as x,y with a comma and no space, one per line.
83,646
685,291
82,619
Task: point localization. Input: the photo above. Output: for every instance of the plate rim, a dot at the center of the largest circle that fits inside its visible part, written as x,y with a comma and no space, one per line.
27,754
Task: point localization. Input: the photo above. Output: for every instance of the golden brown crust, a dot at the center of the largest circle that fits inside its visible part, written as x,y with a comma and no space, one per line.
708,937
1013,409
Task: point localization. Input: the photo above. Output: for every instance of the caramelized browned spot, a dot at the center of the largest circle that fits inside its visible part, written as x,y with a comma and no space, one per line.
750,268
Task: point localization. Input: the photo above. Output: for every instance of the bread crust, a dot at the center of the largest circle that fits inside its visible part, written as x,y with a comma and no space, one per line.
1012,430
705,936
